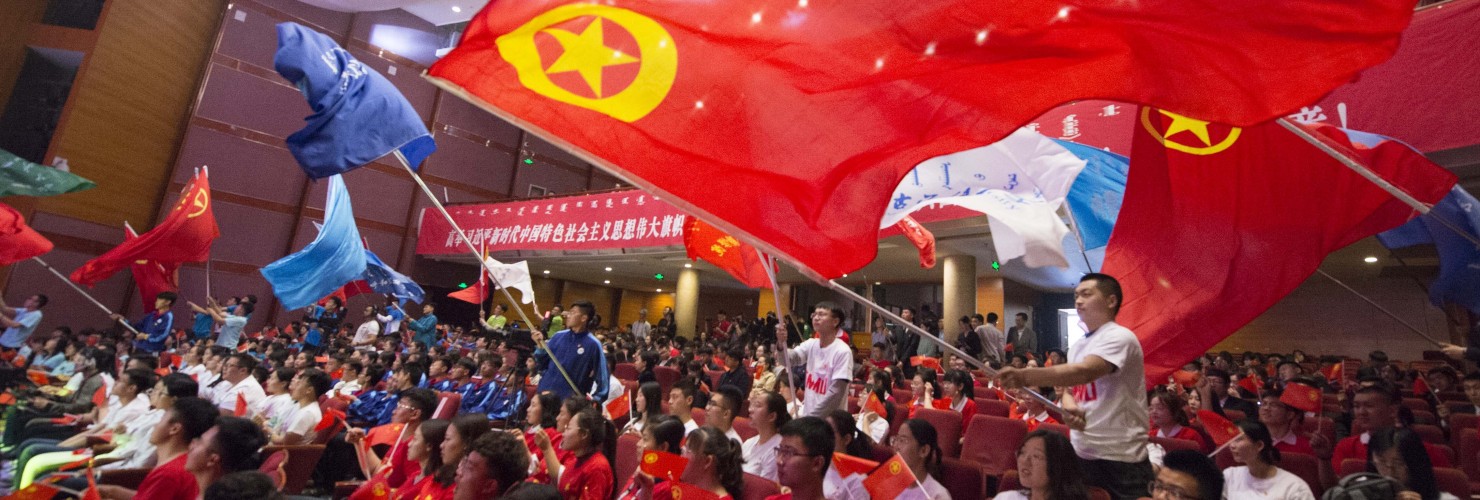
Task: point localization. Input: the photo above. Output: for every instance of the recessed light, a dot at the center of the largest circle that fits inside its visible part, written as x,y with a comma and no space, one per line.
876,283
456,8
608,269
1370,259
687,265
660,290
547,271
845,275
607,281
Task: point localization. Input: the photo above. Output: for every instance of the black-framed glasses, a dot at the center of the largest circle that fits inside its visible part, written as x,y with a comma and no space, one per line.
786,452
1155,487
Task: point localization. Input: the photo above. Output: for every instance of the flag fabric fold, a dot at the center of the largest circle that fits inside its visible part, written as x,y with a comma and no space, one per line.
19,177
619,407
922,238
839,100
704,241
332,259
185,235
1094,199
1019,182
1459,258
151,277
1218,427
18,241
514,276
358,115
849,465
1213,213
384,280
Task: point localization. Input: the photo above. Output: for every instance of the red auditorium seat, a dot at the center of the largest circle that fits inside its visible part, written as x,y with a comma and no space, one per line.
992,407
447,405
1416,404
758,488
1234,415
1352,466
947,426
666,376
1308,467
1469,451
992,443
625,371
743,428
1430,433
1171,444
962,479
1452,481
626,459
698,414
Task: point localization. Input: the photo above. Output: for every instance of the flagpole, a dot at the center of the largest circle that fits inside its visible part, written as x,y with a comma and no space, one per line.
1380,308
481,263
1368,174
1079,238
84,293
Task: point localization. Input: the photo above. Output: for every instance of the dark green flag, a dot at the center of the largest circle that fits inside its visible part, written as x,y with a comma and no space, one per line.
23,178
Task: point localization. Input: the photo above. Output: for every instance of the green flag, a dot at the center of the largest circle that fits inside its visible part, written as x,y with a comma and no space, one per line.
21,177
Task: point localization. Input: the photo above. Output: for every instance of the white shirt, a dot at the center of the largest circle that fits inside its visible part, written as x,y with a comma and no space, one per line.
273,408
248,388
1116,422
835,487
346,388
824,365
876,430
735,436
122,413
392,324
301,421
933,491
760,457
1239,483
1012,495
690,426
135,451
205,379
640,329
231,331
366,332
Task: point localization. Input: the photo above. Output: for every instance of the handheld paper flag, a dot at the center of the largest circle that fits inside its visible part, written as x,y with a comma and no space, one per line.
661,464
1219,428
1301,397
849,465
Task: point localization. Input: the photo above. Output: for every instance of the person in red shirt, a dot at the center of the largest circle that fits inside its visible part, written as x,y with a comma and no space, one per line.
587,474
960,389
434,482
188,420
1375,406
1283,423
1169,419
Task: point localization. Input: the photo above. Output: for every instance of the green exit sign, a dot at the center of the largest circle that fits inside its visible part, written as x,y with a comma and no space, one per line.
658,276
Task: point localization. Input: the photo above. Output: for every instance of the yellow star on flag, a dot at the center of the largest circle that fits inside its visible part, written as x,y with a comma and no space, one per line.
587,54
1181,123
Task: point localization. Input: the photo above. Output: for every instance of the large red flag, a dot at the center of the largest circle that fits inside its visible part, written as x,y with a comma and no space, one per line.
704,241
185,235
789,124
18,241
1219,223
151,277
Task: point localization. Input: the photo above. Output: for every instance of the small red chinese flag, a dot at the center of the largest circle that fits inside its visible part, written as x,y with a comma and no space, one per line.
100,396
926,361
1333,372
849,465
876,406
386,434
941,404
890,479
330,417
64,420
1250,384
241,405
1421,386
36,491
1301,397
375,488
18,241
661,464
1186,378
619,407
92,485
39,377
1219,428
741,260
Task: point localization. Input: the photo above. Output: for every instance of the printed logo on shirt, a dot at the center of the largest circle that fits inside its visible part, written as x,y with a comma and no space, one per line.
817,383
1086,393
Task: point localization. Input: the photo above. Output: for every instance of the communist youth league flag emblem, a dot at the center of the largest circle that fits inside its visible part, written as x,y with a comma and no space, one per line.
606,59
1188,135
194,204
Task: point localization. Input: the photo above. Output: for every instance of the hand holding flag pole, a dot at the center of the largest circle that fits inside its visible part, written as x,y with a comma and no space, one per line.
84,293
474,249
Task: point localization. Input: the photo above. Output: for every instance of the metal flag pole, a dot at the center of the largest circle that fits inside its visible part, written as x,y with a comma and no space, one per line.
1079,238
84,293
481,263
1380,308
1371,176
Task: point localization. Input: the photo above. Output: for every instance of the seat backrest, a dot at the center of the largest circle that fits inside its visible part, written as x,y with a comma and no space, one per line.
1352,466
1416,404
1325,425
1233,415
1469,450
962,479
1308,467
1059,428
743,428
1429,433
698,414
1425,417
1452,481
626,460
758,488
993,443
1173,444
902,397
947,426
993,407
714,376
300,464
666,376
625,371
1008,482
1224,458
447,405
273,461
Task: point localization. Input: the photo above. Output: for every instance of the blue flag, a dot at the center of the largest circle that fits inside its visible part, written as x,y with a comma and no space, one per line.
1459,258
334,258
1095,197
385,280
358,115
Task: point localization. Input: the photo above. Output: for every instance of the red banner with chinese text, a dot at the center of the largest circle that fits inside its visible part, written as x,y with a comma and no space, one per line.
617,219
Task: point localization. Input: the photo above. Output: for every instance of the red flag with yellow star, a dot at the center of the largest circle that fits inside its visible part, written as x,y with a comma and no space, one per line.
788,124
742,261
1221,222
185,235
151,277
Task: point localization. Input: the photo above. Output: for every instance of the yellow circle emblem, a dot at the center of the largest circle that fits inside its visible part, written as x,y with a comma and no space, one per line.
587,70
894,468
199,201
1202,131
649,458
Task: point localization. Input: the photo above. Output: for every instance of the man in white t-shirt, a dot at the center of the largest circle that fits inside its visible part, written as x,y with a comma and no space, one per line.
1107,409
20,322
829,361
232,323
237,371
365,335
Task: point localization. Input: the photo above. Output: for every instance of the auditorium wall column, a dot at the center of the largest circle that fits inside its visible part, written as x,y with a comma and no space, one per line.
686,302
959,297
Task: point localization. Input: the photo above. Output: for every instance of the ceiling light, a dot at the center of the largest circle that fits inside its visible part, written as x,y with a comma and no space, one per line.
1370,259
660,290
845,275
547,271
607,281
456,8
877,283
687,265
608,269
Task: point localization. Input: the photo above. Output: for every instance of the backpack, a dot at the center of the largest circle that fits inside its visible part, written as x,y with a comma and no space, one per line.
1363,486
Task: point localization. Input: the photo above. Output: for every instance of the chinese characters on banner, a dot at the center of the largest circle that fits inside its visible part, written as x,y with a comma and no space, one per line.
618,219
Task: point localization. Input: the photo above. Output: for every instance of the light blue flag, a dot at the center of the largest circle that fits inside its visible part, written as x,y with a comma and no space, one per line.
1095,197
334,258
385,280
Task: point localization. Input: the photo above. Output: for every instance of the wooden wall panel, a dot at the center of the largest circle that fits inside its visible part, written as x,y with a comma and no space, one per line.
15,28
128,109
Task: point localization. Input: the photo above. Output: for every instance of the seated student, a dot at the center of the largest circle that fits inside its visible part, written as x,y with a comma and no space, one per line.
714,466
1400,454
647,404
925,391
349,383
433,480
848,440
1169,419
278,404
724,406
958,387
543,416
297,426
33,419
127,404
662,433
918,444
1471,386
1260,476
1374,407
1283,423
135,449
233,444
375,408
243,485
1047,468
644,364
175,438
767,414
496,467
681,403
586,473
461,433
1187,474
1217,396
871,423
397,468
803,458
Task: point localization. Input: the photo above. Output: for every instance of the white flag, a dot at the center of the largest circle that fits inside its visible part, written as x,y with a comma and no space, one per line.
514,276
1019,182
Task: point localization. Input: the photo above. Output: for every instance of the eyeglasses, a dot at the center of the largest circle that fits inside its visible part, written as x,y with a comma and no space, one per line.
786,452
1175,491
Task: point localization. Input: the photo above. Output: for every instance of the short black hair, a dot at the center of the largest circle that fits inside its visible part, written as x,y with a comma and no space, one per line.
239,442
1108,285
169,296
180,385
991,317
246,308
142,379
421,399
196,415
41,300
243,485
818,438
317,379
1200,467
1384,388
834,310
507,457
733,400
